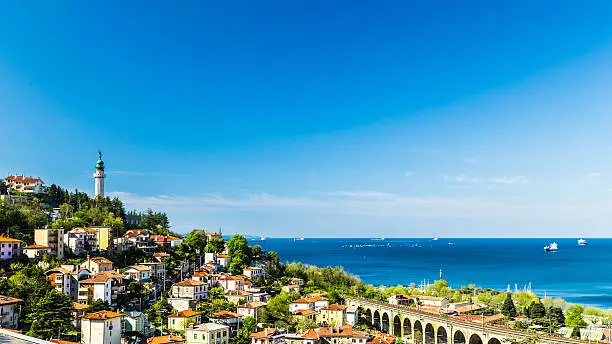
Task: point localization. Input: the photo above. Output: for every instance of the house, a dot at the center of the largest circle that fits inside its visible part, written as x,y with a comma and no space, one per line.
343,334
332,315
166,241
228,282
36,252
51,237
252,272
9,248
251,309
238,296
352,315
209,333
9,315
138,273
102,327
433,301
168,339
185,294
291,288
135,321
97,264
305,315
98,287
297,281
224,260
181,320
139,238
66,278
498,319
158,269
314,303
104,238
266,336
231,319
262,297
21,183
79,241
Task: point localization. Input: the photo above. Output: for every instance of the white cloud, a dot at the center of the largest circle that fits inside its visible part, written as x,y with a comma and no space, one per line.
492,180
408,173
594,175
353,202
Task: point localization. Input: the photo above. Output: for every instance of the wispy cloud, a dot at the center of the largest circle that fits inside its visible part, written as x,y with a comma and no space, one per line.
510,180
408,174
351,202
594,175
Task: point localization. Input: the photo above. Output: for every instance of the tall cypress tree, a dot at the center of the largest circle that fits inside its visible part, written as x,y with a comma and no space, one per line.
508,308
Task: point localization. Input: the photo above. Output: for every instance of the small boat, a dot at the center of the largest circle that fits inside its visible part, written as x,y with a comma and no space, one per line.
299,239
582,242
435,239
379,239
551,248
450,243
262,238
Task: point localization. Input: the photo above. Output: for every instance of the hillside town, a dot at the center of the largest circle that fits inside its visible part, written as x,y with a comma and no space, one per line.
137,282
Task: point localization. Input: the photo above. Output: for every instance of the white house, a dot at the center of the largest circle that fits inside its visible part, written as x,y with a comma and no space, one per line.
187,293
138,273
252,272
228,283
36,252
98,287
209,333
102,327
24,184
9,316
9,248
66,278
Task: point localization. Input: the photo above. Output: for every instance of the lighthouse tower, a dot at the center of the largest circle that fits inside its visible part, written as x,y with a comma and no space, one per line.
99,177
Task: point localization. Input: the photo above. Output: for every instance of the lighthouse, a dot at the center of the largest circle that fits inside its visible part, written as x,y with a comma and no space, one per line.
99,177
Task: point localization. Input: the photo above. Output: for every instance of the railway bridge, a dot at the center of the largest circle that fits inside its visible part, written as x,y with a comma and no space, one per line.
409,322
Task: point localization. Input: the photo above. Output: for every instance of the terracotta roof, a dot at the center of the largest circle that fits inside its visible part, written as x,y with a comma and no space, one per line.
305,312
310,299
134,233
189,283
429,298
99,278
265,333
60,270
172,238
334,307
79,306
254,304
200,274
225,314
22,178
237,293
344,331
139,267
165,339
161,254
184,314
36,247
7,300
222,255
230,278
252,268
382,338
7,239
102,315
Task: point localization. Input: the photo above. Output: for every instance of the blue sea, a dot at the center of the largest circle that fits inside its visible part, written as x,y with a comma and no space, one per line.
577,274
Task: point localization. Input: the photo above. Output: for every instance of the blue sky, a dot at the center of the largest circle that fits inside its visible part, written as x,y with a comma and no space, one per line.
320,118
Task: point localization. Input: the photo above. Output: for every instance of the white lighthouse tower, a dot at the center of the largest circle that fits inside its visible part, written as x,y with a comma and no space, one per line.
99,177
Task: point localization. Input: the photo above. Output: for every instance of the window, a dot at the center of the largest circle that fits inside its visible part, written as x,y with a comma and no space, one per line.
195,336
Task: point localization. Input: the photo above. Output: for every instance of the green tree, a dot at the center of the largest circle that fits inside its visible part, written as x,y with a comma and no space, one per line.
239,251
573,316
575,332
556,313
508,308
537,310
215,245
195,241
50,315
66,210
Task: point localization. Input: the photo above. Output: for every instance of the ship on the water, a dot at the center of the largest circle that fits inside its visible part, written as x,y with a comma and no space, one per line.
551,247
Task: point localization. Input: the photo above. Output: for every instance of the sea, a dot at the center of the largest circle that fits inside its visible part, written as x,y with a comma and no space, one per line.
578,274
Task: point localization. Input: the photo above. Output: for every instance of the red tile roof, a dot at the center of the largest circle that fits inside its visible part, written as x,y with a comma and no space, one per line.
225,314
334,307
102,315
170,339
184,314
189,283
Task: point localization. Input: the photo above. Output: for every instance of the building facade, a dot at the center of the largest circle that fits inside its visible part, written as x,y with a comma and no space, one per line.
51,237
21,183
102,327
